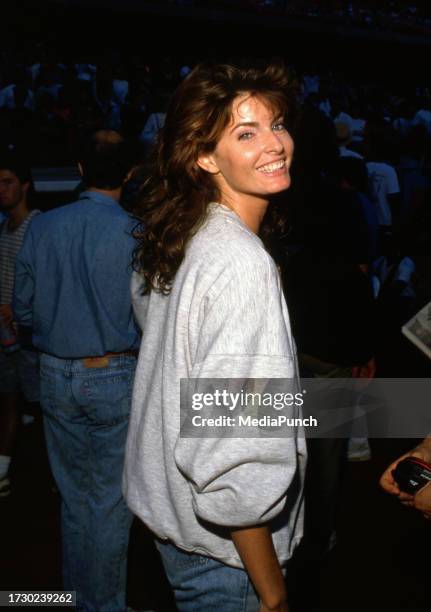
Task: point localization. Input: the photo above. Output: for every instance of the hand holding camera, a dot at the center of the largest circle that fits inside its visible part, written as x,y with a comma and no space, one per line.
409,478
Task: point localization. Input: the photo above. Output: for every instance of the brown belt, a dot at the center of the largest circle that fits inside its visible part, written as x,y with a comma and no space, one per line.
103,360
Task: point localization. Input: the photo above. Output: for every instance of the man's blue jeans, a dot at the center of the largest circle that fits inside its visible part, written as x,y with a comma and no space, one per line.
202,584
86,415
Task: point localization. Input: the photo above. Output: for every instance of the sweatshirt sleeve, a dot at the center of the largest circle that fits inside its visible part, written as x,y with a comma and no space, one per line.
246,331
239,482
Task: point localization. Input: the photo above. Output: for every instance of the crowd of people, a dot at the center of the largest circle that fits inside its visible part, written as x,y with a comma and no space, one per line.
47,102
243,179
412,18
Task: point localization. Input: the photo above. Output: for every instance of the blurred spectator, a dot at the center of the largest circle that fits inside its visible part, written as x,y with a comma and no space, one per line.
384,185
364,224
72,282
50,81
332,311
423,116
103,92
344,137
155,120
19,362
17,94
403,112
413,177
120,85
85,71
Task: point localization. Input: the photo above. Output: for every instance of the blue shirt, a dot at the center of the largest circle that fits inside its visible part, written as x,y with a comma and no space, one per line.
72,279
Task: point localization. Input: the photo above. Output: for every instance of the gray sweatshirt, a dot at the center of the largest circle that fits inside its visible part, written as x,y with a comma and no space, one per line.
225,318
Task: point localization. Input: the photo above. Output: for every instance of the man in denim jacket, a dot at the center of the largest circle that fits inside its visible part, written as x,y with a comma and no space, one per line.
72,286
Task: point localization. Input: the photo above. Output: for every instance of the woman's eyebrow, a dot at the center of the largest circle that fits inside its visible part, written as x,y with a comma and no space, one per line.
254,123
245,124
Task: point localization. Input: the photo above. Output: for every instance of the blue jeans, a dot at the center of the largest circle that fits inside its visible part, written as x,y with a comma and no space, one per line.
86,415
202,584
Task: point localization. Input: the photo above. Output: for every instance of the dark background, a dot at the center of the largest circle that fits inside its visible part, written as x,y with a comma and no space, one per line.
78,28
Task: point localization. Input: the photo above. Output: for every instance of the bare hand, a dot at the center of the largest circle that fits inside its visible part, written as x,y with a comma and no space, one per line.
6,314
387,481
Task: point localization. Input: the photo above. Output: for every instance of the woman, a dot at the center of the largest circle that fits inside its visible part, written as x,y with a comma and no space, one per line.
213,308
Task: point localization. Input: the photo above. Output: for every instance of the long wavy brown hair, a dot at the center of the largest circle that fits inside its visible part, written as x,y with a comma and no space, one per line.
174,197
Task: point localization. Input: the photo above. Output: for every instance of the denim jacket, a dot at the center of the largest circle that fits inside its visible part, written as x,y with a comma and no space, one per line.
72,279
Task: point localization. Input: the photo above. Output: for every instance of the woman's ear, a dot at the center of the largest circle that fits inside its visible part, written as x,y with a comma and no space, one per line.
208,163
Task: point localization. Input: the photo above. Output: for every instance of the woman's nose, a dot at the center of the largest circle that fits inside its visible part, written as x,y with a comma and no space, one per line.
273,142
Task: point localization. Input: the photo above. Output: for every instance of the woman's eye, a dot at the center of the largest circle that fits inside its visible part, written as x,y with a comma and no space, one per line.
245,136
279,127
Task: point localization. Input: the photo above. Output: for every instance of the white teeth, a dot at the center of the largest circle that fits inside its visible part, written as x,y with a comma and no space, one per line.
272,167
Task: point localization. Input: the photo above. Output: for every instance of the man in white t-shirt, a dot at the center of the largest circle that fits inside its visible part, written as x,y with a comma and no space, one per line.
384,190
344,137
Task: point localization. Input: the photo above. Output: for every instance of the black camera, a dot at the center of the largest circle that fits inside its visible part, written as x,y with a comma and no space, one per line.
412,474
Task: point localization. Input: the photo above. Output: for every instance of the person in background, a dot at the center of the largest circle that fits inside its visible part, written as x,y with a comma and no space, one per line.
360,220
344,138
383,180
72,286
413,174
17,94
332,310
19,364
155,121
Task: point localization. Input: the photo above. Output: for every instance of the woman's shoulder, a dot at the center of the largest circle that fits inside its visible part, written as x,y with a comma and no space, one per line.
225,237
225,253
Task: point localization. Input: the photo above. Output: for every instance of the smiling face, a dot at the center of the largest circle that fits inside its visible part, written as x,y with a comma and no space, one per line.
252,158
